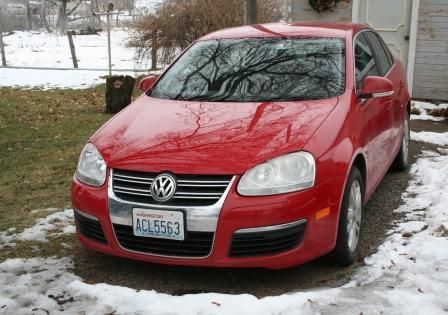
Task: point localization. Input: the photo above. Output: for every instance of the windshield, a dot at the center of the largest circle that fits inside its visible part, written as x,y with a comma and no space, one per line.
256,70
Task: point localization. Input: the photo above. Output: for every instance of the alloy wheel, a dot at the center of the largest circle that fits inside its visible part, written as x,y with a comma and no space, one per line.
354,214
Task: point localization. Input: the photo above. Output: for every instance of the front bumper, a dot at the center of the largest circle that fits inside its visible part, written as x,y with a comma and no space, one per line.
307,219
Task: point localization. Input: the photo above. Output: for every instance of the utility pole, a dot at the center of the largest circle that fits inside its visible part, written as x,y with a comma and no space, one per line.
251,12
109,53
109,12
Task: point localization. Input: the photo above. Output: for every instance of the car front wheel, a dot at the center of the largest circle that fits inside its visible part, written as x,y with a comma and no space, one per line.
349,230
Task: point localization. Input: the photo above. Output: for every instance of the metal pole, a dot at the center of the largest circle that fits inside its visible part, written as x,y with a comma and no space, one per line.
108,44
251,11
2,49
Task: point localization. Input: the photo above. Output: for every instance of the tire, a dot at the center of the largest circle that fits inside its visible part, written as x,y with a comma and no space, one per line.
401,161
350,220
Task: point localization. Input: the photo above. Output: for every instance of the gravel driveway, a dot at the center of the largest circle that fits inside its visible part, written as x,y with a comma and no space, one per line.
97,268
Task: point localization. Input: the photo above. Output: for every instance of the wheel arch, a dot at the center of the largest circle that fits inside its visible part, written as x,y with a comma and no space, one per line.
360,163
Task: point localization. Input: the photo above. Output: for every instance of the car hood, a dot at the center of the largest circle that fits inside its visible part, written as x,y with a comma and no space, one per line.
207,137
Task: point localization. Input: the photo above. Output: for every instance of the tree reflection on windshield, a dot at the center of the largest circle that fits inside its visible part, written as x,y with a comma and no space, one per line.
254,69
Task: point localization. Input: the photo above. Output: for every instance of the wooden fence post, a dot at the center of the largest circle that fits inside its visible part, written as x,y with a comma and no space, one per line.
2,45
72,49
2,49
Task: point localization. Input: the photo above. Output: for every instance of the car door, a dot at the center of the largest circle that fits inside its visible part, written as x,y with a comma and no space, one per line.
385,62
376,115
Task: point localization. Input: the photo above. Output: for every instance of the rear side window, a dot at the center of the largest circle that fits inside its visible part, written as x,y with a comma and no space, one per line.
380,54
364,61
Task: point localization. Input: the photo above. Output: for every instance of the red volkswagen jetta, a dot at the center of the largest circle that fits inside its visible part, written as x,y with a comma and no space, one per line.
257,147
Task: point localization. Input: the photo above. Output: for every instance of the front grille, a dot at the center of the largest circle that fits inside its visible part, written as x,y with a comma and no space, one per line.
266,243
192,190
90,228
196,244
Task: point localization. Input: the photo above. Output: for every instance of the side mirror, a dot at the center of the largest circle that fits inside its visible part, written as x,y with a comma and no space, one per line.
374,86
147,82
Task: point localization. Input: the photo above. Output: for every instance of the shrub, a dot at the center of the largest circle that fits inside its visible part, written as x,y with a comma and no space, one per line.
177,23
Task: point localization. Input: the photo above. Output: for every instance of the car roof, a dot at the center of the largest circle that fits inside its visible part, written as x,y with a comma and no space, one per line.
317,29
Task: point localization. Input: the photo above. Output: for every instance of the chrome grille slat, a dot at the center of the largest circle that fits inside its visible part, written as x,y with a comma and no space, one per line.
132,193
133,189
134,177
192,190
197,194
201,185
133,181
196,197
203,181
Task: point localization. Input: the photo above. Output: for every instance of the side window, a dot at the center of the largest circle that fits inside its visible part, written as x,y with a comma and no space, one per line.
390,57
380,54
364,61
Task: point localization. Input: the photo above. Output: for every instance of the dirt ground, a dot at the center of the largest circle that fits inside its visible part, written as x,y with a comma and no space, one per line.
378,217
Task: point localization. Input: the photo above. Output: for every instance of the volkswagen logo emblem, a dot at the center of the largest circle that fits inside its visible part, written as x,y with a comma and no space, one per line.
163,187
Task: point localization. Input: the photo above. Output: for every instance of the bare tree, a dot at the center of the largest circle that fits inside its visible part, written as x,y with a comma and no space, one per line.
43,15
29,23
64,13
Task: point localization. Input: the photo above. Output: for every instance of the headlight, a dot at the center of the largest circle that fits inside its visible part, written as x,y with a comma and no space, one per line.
287,173
91,166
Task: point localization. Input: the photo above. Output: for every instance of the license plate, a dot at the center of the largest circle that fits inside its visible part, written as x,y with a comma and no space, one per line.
158,224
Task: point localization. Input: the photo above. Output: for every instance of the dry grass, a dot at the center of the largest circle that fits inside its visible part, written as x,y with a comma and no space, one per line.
41,135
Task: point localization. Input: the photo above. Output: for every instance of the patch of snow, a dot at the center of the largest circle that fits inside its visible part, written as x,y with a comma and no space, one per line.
423,108
439,138
7,239
53,79
37,286
42,49
146,6
407,275
53,225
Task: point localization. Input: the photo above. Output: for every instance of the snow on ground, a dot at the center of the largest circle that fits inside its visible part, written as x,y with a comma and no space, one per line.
423,108
407,275
42,49
53,225
145,6
439,138
52,79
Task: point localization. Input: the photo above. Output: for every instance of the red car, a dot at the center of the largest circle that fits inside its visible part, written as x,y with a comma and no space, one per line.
258,147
